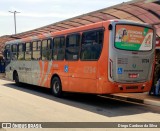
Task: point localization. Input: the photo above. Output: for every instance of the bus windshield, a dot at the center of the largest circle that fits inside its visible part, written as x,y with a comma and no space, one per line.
133,38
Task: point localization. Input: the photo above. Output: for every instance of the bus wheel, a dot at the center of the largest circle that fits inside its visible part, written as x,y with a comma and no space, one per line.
16,78
56,87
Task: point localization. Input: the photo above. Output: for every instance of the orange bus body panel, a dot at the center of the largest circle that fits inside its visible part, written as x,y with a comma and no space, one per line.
84,76
87,76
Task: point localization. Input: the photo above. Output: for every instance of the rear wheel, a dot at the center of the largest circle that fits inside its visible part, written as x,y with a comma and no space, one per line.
56,87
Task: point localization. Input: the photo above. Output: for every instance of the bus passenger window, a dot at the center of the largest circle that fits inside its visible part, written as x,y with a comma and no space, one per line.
46,49
36,48
72,47
14,52
92,42
21,52
7,52
28,51
58,48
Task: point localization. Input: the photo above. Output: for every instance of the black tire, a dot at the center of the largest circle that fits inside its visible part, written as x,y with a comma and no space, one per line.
16,79
56,87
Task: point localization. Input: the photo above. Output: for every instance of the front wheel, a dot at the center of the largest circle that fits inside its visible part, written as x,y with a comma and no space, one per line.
56,87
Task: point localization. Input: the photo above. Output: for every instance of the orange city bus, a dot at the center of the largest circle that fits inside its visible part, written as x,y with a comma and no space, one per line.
101,58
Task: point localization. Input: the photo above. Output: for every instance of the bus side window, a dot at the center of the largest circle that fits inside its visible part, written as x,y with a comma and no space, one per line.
14,52
28,51
21,51
92,42
72,47
7,52
59,48
46,49
36,48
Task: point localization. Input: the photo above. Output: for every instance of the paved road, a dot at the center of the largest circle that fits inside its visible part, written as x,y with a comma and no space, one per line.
35,104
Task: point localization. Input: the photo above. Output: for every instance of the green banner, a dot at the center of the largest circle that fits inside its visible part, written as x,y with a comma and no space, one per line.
127,46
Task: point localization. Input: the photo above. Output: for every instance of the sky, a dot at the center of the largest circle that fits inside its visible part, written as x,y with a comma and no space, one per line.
38,13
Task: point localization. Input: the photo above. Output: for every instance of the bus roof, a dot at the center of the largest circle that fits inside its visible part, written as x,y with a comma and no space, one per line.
76,29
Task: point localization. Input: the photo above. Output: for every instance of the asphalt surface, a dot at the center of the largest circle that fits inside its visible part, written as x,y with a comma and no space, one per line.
35,104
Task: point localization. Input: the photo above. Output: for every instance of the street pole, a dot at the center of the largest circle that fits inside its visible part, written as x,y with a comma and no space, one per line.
14,12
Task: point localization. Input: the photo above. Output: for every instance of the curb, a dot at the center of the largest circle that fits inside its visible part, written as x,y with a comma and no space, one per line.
135,100
151,102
